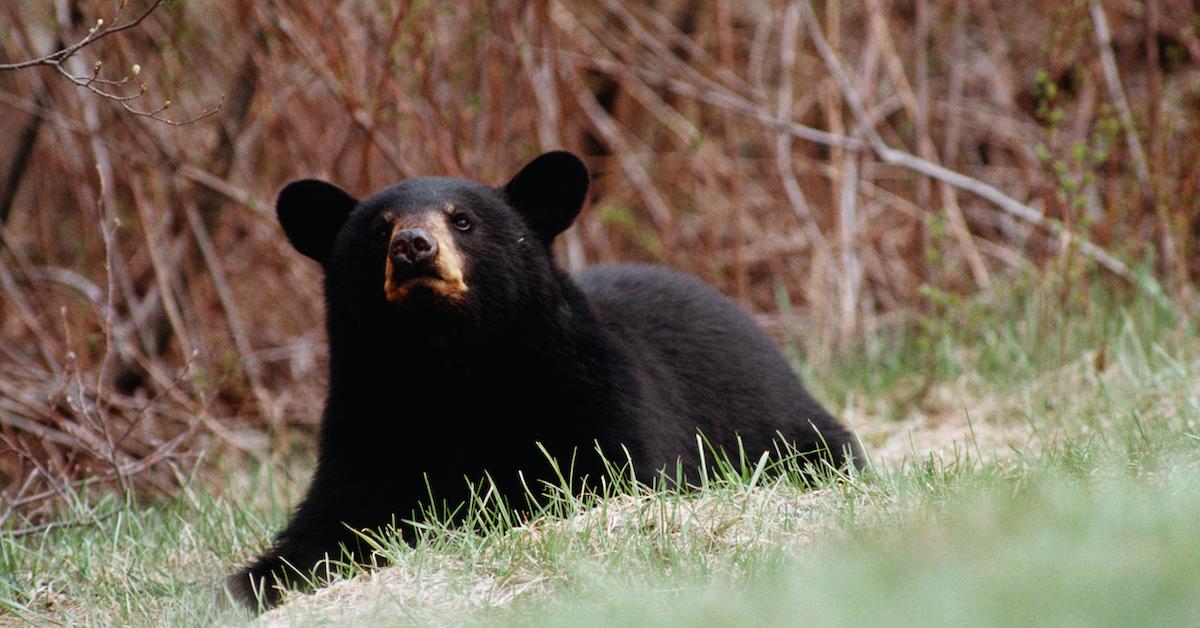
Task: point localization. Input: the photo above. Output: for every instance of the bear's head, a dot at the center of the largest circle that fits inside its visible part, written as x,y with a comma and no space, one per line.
437,246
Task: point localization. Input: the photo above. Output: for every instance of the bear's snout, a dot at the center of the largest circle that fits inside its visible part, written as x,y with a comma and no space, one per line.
423,258
412,247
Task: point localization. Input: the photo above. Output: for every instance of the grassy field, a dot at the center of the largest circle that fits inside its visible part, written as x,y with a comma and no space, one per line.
1036,459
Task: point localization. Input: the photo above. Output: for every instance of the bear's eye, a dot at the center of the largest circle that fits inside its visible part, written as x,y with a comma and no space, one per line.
462,222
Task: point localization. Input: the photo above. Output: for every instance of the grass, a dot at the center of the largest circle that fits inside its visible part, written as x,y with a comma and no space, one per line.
1037,462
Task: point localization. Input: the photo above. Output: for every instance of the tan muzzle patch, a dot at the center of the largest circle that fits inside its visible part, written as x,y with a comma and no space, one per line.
447,278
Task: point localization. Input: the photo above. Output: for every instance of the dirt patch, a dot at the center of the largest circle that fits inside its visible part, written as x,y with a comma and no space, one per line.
418,594
947,424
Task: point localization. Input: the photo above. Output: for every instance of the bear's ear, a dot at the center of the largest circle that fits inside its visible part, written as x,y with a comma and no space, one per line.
549,192
312,212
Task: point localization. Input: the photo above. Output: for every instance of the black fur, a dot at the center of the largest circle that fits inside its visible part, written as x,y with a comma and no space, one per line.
634,358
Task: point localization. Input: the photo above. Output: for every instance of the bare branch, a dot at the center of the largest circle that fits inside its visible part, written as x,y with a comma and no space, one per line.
783,141
93,35
660,210
956,179
101,86
1112,79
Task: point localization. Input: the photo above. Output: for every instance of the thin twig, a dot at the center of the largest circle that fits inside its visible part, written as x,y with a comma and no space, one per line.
233,316
58,524
1112,79
101,86
93,35
912,104
783,140
540,74
608,129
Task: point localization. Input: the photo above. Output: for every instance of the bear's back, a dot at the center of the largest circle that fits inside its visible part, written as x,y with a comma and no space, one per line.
701,364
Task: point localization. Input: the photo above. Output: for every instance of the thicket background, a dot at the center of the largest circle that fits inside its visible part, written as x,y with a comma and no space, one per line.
151,309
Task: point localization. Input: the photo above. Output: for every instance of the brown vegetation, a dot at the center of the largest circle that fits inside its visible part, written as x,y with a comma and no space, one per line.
838,158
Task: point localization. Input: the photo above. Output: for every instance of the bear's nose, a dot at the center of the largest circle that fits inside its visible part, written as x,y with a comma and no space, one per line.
413,246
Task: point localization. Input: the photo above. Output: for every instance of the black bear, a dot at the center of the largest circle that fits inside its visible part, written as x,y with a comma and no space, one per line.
459,348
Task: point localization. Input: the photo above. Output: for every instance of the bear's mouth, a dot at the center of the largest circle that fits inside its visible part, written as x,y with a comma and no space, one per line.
401,286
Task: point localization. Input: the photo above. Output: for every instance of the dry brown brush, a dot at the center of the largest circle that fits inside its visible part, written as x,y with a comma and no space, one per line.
836,158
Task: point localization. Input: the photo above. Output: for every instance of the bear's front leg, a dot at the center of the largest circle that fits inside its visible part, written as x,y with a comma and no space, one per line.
298,560
324,528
